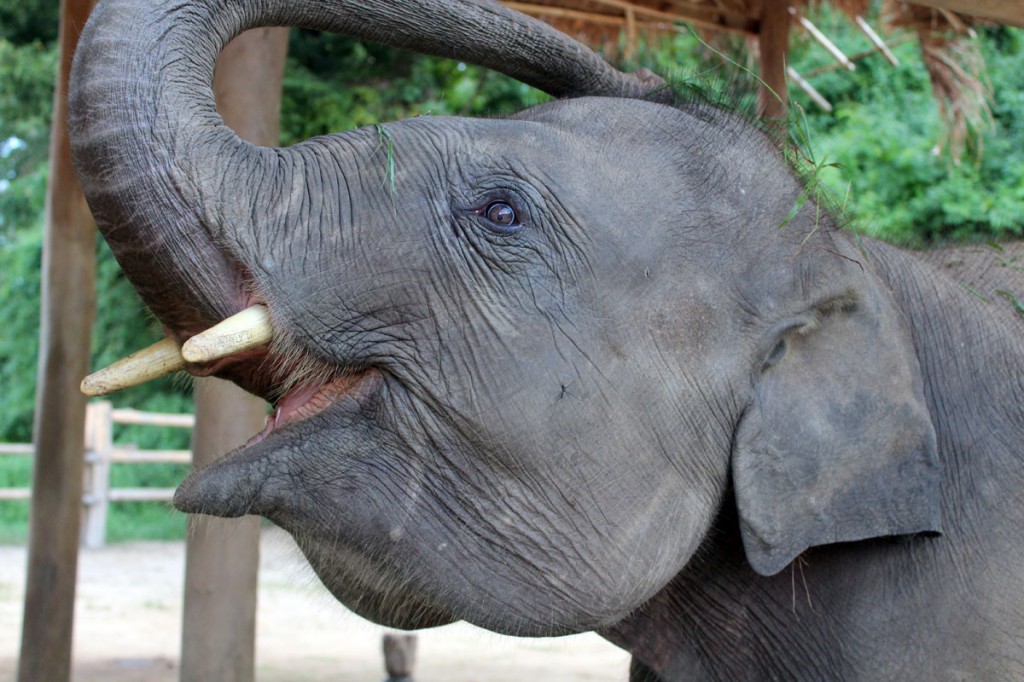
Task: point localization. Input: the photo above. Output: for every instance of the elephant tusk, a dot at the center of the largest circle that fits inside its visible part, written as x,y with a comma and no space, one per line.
163,357
246,330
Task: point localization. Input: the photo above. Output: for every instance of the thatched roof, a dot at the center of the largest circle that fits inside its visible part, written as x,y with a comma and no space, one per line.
595,19
943,28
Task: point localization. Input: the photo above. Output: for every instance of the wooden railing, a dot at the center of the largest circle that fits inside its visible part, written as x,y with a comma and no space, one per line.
100,453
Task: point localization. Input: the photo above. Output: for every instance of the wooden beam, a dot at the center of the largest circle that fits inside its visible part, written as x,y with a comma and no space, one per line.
821,39
1009,12
65,325
691,14
876,40
222,555
702,18
904,37
563,13
773,41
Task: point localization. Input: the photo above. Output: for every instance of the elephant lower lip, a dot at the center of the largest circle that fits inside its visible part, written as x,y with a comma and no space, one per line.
237,484
306,400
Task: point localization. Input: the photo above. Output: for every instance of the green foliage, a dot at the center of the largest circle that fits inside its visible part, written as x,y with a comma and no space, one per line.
882,133
333,84
121,327
19,343
29,21
15,472
27,73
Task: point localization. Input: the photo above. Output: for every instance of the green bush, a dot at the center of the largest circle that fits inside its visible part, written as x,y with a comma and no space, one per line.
880,140
333,84
27,73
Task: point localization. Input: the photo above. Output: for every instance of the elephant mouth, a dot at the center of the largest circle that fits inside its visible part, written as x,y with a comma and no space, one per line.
302,389
306,400
297,384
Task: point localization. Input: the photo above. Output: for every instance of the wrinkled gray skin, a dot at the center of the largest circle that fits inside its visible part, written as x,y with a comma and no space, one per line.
740,447
993,273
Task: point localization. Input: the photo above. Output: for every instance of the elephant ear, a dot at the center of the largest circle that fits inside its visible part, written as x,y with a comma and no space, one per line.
837,444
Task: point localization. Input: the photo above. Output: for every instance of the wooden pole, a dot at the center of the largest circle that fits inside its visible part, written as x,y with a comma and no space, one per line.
811,91
876,40
222,555
65,323
632,35
399,656
773,41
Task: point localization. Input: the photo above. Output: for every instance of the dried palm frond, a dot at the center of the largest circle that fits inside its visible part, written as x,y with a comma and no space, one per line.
956,69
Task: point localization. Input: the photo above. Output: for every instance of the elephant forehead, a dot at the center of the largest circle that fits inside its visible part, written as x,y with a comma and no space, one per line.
587,116
611,126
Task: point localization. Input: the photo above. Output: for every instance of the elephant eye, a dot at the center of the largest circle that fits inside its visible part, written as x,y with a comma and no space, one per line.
502,217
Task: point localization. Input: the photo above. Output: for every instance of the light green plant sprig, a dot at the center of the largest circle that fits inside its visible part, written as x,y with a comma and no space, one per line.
384,140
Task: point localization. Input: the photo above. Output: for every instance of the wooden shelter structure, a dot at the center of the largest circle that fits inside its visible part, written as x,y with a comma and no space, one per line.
221,589
943,28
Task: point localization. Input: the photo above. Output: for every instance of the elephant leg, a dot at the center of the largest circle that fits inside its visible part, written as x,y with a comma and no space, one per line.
638,672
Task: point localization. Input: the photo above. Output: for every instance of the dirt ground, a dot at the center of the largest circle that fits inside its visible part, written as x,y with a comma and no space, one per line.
128,621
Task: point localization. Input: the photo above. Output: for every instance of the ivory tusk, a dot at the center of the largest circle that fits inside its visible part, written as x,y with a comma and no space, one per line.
163,357
248,329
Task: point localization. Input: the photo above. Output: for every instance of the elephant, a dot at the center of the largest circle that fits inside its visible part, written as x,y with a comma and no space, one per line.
601,365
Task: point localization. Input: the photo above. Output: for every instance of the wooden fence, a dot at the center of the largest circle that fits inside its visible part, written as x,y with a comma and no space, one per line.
100,453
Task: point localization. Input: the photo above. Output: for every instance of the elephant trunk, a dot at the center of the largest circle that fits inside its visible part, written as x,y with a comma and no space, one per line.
169,183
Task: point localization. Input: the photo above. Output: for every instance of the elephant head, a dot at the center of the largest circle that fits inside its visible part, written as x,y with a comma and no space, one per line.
516,381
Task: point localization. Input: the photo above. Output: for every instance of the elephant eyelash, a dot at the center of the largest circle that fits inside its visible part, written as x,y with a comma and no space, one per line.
776,354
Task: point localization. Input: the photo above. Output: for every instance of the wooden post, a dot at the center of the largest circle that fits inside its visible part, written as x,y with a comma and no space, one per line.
65,324
632,34
222,555
773,41
99,446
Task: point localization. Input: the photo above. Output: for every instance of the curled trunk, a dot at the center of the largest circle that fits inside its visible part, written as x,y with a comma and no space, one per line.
169,183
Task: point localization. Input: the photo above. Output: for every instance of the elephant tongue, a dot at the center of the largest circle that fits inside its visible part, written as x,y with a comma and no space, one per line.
304,401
